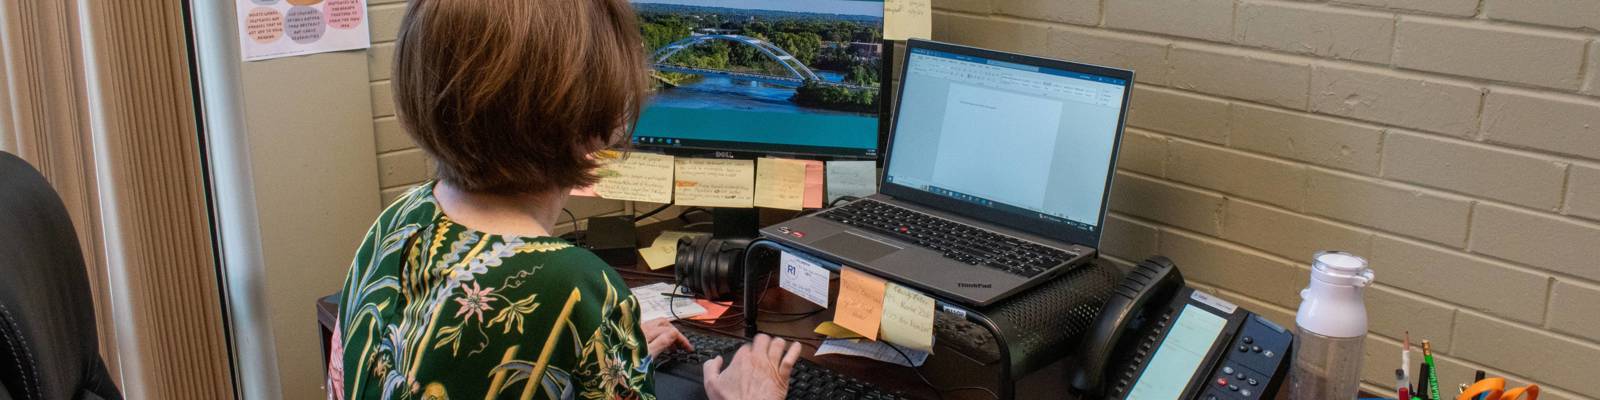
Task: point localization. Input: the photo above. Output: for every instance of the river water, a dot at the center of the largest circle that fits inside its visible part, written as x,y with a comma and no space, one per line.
720,92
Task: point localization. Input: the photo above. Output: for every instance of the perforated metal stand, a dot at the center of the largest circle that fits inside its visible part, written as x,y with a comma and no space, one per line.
1029,331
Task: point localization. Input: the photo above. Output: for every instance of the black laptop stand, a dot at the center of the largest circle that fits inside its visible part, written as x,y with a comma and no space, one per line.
1021,334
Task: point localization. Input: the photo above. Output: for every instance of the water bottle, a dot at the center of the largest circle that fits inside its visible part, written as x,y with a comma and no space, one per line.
1330,329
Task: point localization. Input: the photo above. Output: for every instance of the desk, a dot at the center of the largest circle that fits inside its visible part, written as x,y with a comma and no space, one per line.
951,369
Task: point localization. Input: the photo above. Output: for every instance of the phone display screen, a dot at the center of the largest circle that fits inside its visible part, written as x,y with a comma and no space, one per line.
1174,363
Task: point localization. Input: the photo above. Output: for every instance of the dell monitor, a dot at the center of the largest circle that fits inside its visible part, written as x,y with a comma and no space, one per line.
745,78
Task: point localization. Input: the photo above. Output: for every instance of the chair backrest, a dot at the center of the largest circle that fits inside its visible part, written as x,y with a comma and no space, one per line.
48,345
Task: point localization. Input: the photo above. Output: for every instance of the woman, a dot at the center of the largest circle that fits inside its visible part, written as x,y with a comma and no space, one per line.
460,289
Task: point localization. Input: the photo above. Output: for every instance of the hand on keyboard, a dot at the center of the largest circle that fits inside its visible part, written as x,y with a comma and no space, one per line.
662,336
759,371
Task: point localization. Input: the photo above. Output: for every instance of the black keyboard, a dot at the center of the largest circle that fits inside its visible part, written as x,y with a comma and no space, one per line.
679,373
958,241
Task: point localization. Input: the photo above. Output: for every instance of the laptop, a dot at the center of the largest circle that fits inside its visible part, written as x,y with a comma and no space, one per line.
995,177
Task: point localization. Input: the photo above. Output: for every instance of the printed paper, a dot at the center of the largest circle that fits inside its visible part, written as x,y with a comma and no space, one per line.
280,28
803,278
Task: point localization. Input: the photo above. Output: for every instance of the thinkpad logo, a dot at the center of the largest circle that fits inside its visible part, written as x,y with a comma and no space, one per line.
974,285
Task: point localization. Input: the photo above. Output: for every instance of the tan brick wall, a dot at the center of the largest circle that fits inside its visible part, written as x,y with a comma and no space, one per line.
401,164
1455,143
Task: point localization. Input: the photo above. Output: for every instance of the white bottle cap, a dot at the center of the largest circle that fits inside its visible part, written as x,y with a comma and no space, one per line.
1341,268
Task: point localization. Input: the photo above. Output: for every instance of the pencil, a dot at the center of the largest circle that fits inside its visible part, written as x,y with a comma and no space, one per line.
1433,370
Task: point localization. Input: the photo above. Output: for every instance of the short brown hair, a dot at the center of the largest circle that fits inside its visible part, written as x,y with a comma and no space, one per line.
510,96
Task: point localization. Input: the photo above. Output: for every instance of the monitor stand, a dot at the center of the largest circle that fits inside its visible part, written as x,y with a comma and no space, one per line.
735,223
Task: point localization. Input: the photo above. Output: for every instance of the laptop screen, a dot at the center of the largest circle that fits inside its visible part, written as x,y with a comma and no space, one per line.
1030,141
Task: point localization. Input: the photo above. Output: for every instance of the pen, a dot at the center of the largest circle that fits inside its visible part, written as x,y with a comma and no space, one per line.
1400,377
1405,360
1433,370
1422,383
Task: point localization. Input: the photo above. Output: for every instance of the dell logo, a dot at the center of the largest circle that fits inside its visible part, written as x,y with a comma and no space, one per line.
974,285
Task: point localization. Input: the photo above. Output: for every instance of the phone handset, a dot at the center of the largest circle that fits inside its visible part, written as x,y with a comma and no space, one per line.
1149,285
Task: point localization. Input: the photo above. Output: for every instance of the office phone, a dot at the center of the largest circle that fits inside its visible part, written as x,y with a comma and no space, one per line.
1158,339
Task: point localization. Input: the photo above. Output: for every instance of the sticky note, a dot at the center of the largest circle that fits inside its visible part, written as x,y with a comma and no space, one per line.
907,318
834,331
814,190
707,182
780,183
663,251
852,178
860,302
714,310
803,278
635,177
905,19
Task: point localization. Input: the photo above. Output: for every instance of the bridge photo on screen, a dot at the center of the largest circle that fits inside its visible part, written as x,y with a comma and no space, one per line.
768,75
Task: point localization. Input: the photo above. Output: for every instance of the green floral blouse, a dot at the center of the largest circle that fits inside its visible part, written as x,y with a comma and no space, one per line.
435,310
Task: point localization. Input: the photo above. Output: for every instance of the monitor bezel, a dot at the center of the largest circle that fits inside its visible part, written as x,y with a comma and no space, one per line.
1055,230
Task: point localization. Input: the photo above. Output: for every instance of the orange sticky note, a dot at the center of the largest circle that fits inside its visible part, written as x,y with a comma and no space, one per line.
714,311
860,302
814,189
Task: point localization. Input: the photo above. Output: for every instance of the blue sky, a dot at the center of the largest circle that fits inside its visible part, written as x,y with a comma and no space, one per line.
848,7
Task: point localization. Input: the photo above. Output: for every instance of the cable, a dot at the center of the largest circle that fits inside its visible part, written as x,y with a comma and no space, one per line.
925,380
651,213
835,202
574,218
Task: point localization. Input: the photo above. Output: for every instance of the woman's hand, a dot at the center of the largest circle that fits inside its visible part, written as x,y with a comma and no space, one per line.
662,336
759,371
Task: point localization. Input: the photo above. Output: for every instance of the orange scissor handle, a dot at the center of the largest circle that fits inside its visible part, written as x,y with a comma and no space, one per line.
1495,389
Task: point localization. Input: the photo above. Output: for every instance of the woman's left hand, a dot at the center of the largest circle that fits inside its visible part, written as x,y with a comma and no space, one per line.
662,336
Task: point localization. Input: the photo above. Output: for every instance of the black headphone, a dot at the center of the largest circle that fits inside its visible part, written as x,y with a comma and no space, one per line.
711,268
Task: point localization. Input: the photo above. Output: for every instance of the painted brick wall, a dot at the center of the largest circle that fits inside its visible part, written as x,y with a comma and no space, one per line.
401,164
1454,143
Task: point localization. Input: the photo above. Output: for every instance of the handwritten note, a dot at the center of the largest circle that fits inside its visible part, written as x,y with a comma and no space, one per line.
803,278
663,252
635,177
860,302
780,183
874,350
708,182
814,189
852,178
907,318
905,19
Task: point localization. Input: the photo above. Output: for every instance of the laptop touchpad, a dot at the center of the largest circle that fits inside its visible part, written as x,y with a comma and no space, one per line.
856,247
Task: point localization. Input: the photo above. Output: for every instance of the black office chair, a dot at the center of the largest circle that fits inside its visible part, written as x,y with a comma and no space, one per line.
48,346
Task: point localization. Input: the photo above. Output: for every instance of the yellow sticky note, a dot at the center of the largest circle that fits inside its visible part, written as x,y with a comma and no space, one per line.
907,318
834,331
780,183
860,302
906,19
635,177
663,251
706,182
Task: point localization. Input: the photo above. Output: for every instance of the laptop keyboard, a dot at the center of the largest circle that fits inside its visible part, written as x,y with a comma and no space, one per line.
960,242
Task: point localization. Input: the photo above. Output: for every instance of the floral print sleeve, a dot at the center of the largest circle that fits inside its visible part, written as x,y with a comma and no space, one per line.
434,310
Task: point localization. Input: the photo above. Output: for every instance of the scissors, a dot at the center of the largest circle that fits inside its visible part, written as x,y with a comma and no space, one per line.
1495,389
